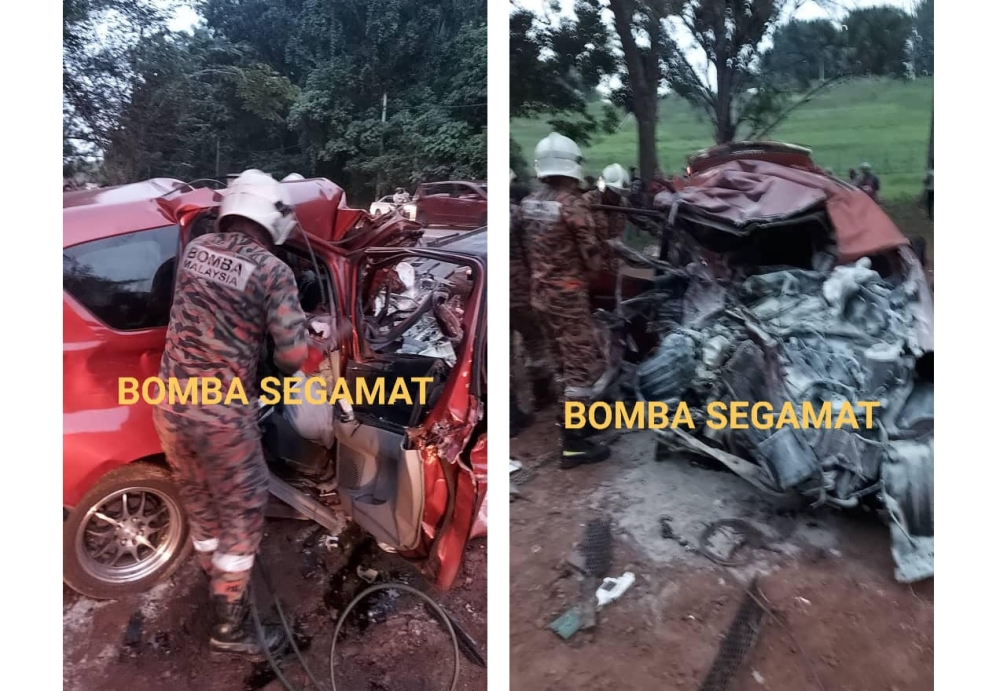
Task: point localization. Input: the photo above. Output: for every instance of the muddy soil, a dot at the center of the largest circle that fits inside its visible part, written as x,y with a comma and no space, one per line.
389,643
845,623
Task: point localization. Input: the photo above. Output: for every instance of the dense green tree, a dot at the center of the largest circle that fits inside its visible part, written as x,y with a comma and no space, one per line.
99,52
284,85
805,51
878,38
923,39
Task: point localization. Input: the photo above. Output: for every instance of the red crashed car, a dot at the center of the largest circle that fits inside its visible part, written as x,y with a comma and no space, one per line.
777,283
412,474
452,204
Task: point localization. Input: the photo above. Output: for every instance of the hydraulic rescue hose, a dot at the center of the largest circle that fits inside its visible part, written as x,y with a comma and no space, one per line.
445,621
342,617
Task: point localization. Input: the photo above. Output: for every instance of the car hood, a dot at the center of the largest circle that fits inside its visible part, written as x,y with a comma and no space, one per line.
739,195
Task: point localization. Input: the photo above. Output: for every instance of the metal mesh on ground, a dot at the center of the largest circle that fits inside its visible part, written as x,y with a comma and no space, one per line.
596,547
739,641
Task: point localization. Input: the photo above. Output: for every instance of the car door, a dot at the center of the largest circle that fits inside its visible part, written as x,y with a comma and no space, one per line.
116,306
435,206
412,472
470,209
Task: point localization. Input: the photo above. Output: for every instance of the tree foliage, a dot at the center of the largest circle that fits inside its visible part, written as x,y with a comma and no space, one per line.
878,40
555,66
746,64
296,86
923,38
804,51
100,39
870,41
728,35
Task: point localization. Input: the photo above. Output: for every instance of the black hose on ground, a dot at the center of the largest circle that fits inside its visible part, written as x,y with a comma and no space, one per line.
272,661
435,607
288,632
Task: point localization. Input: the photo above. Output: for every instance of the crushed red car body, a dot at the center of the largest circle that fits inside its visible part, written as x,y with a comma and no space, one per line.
120,246
778,284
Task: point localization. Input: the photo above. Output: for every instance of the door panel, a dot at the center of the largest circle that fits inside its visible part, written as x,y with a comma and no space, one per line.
381,483
394,459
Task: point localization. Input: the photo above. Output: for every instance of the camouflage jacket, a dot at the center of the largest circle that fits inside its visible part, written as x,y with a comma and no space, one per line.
608,225
560,242
230,293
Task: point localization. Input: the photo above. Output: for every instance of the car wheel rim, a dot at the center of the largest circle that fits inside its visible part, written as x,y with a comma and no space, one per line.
128,535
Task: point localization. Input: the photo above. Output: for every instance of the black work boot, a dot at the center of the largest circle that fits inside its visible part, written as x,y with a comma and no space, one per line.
542,391
234,632
578,450
519,421
588,431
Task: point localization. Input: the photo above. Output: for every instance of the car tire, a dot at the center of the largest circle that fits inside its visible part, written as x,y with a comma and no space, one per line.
137,506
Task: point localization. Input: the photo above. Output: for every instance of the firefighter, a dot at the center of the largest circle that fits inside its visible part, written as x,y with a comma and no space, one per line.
231,293
563,254
613,190
538,367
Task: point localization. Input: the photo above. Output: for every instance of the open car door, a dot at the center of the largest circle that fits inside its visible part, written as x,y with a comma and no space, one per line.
411,466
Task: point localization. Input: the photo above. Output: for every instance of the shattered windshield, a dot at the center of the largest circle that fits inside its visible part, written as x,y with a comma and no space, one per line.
419,308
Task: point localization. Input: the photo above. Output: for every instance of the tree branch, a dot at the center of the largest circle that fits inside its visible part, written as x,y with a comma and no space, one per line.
809,96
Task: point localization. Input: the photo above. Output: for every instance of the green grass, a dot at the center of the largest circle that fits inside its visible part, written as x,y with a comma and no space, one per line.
884,122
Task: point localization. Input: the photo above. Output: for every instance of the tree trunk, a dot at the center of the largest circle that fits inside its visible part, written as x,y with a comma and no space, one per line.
644,82
645,116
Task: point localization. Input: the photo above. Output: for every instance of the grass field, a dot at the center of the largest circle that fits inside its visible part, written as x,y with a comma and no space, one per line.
884,122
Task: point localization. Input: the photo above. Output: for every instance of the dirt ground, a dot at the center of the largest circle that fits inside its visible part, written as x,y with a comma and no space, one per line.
842,622
389,643
847,624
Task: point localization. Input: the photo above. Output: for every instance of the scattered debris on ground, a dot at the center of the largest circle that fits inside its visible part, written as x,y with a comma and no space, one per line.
158,636
837,620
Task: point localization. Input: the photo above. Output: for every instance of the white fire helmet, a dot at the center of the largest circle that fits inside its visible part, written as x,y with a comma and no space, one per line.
257,196
558,155
292,177
615,179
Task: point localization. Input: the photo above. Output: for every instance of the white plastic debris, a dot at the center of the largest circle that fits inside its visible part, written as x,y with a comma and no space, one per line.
514,466
407,275
311,420
320,327
757,677
613,588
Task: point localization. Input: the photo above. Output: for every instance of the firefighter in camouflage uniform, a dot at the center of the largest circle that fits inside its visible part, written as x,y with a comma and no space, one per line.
612,190
563,254
537,363
231,293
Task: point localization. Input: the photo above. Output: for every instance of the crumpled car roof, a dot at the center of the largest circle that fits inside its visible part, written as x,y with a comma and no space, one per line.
743,193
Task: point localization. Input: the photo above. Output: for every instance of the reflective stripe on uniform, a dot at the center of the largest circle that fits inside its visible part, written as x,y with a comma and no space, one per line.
206,545
232,563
